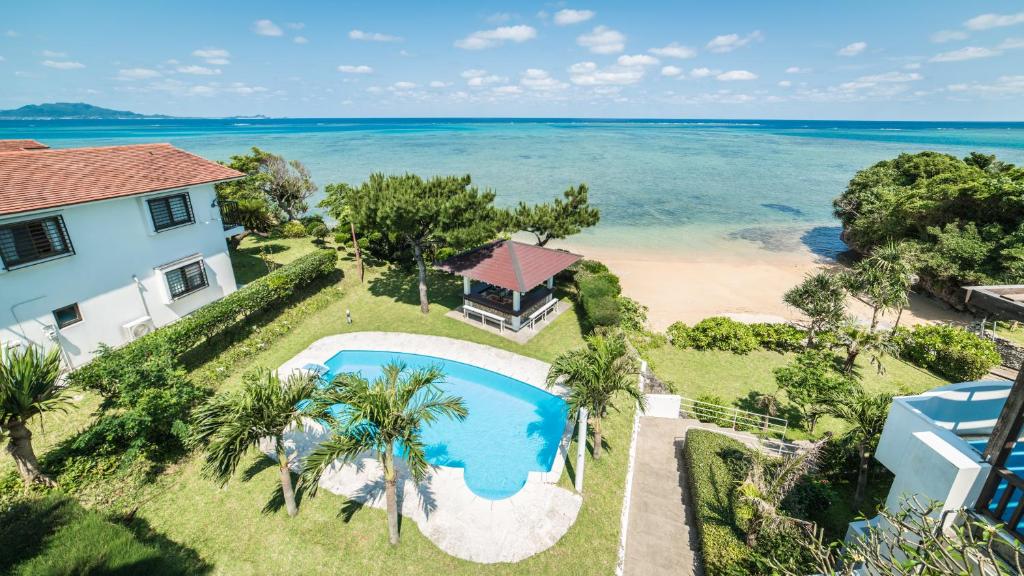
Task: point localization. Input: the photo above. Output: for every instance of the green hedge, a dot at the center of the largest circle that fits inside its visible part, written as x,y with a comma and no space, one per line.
599,297
947,350
712,479
714,333
220,316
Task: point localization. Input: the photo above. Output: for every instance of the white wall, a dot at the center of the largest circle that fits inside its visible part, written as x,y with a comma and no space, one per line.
113,241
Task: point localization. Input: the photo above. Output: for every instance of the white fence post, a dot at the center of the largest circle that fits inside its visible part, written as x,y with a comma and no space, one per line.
581,449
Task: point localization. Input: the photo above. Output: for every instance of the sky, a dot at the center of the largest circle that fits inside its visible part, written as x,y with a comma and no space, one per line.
894,60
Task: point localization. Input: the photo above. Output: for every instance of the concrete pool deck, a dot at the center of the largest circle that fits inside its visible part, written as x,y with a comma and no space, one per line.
458,521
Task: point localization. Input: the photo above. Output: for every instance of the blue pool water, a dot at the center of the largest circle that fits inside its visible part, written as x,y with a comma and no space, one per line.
512,428
1015,464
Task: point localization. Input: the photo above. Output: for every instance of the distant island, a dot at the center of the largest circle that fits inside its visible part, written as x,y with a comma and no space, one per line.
83,111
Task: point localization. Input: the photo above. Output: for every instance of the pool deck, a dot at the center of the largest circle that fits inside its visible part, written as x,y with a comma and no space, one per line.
458,521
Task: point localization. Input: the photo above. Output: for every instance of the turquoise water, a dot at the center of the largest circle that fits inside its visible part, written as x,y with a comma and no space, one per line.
512,428
666,185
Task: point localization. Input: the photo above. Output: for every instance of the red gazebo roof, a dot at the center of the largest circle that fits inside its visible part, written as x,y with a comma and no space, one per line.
510,264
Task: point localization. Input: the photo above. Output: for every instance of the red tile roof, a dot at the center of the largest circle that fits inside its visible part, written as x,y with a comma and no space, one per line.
39,179
18,145
510,264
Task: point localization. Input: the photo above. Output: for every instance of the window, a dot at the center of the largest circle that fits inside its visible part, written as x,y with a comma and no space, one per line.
33,240
67,315
187,279
170,211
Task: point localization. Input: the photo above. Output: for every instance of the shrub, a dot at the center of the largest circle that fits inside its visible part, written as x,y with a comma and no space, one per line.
778,337
633,314
678,334
709,413
599,297
589,266
602,284
720,333
318,231
602,311
293,229
949,351
711,484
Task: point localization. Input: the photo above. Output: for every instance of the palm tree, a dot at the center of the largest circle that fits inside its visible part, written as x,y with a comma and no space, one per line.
382,417
594,374
770,404
822,298
884,279
232,423
29,389
766,486
866,415
858,340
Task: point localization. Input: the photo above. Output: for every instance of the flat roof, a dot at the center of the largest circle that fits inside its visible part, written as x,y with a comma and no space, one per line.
510,264
38,179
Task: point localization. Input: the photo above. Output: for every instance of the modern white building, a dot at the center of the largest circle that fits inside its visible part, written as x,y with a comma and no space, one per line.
102,245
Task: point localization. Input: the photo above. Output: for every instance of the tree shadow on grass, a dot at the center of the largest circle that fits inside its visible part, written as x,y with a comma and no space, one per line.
785,410
402,285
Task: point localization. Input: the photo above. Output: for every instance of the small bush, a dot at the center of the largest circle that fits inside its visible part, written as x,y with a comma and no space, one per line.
603,284
589,266
711,484
318,231
720,333
599,298
778,337
634,315
679,335
602,311
948,350
708,413
293,229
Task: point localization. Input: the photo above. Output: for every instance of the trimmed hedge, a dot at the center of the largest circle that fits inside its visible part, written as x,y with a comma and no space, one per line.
948,350
217,317
714,333
712,480
599,296
778,337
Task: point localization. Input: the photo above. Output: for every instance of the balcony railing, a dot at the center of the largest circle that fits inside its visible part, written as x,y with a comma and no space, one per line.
229,214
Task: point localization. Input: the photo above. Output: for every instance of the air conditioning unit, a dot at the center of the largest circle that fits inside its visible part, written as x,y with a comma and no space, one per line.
138,328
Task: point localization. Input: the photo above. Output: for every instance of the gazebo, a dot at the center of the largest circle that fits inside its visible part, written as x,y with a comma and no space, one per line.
509,284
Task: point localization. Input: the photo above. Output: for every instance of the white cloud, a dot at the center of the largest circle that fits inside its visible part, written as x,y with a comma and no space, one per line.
1011,44
63,64
477,78
589,74
892,77
266,28
300,40
797,70
136,73
1004,86
352,69
540,80
296,25
499,17
11,34
473,73
987,21
439,84
853,49
568,16
638,60
729,42
603,40
373,36
507,90
52,54
948,36
199,70
482,39
702,72
671,71
733,75
215,56
242,88
674,50
966,53
912,66
785,84
403,85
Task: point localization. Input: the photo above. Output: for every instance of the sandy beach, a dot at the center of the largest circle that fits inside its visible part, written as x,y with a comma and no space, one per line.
746,283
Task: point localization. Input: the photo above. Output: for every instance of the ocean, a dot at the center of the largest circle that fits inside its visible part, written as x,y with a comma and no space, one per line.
675,186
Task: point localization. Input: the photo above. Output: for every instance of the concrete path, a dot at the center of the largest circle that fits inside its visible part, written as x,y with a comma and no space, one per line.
662,539
459,522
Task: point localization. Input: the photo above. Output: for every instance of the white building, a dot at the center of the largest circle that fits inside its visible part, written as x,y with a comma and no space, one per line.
101,245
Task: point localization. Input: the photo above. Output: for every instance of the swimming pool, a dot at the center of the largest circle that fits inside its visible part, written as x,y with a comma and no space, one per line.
512,428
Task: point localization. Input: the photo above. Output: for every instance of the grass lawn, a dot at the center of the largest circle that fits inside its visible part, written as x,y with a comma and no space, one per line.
59,426
733,377
1016,336
229,530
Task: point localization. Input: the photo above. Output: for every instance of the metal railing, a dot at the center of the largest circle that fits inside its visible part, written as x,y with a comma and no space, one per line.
229,215
769,431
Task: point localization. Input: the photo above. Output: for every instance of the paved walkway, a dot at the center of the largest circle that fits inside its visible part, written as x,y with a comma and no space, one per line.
662,539
446,511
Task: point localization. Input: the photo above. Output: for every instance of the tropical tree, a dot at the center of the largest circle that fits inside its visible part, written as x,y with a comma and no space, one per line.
272,188
559,218
822,298
594,374
254,209
289,185
857,340
767,484
884,278
866,414
29,388
336,203
424,216
384,417
811,381
769,403
232,423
